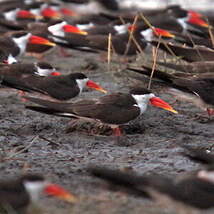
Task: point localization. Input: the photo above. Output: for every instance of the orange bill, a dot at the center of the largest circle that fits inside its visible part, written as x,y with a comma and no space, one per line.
74,29
55,73
197,21
157,102
59,192
51,13
40,41
95,86
192,13
24,14
162,33
132,28
67,12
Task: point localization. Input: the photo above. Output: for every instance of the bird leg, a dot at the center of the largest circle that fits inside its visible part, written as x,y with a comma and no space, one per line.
210,112
117,131
206,118
21,94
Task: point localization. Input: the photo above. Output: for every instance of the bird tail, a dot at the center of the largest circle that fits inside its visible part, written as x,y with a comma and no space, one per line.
50,107
166,77
115,176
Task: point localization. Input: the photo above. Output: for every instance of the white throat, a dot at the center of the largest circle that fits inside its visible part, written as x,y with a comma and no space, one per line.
34,189
11,59
11,15
35,11
85,26
148,34
81,83
121,28
142,101
22,42
182,22
57,30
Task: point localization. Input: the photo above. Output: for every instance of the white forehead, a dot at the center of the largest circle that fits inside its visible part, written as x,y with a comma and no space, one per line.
44,71
85,26
143,97
11,59
147,34
22,38
57,29
34,188
81,83
11,15
22,42
183,22
34,185
35,11
142,101
121,28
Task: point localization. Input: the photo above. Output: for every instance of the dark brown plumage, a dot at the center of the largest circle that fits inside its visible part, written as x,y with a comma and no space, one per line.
114,109
190,54
198,89
195,190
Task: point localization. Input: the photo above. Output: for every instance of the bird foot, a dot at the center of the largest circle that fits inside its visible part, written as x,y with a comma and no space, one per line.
21,94
117,132
210,112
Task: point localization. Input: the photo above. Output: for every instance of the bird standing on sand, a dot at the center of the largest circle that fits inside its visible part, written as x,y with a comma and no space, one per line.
114,109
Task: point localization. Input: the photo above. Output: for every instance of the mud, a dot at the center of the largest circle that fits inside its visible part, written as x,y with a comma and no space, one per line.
35,142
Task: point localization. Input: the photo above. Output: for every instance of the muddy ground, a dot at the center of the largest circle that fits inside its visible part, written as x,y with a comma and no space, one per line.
35,142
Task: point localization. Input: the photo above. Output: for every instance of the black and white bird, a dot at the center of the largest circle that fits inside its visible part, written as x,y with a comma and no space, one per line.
14,44
114,109
198,89
16,195
60,87
195,190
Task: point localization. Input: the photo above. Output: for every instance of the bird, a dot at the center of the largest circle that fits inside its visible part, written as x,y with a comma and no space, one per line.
18,71
201,155
129,42
198,89
16,14
6,57
14,74
13,44
49,31
59,87
192,67
189,54
195,190
113,109
18,193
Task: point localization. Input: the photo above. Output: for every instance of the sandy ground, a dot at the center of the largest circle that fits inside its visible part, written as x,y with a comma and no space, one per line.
40,143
